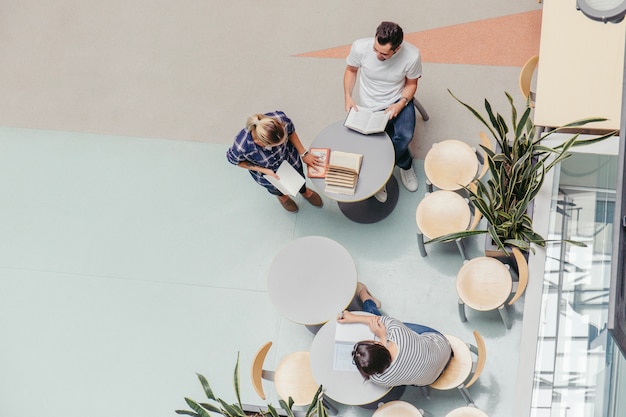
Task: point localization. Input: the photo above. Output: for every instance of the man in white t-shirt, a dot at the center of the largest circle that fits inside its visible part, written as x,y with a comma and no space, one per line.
389,70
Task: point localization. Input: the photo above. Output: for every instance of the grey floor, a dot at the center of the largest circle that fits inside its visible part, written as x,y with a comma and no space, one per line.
132,255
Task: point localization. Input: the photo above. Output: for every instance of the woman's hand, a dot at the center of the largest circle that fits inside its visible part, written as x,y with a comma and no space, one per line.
345,317
312,160
378,328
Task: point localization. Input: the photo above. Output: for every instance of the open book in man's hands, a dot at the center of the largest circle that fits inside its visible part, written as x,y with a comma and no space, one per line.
366,121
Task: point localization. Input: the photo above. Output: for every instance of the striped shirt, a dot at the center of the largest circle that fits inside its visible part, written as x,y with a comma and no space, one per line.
421,357
244,149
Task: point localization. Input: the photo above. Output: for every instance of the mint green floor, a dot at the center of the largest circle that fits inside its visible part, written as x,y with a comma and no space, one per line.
128,264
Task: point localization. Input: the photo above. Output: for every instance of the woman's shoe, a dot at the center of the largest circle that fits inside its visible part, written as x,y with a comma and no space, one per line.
360,287
288,204
313,198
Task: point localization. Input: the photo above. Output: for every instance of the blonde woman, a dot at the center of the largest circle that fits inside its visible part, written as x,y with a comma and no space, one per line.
268,140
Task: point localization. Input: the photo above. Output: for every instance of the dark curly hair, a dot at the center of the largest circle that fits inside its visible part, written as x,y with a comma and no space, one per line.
389,32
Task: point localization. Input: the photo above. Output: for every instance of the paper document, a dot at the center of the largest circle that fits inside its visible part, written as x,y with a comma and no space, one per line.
290,180
346,335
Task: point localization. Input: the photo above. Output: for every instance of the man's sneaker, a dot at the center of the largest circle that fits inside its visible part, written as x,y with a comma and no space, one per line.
409,179
381,195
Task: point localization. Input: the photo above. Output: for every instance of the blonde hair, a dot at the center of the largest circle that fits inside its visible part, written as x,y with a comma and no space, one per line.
267,130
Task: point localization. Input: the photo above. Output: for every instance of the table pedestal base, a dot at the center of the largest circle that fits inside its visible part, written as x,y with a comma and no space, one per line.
372,210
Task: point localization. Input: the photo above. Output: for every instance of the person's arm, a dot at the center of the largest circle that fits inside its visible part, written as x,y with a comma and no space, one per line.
349,80
250,166
307,157
375,324
407,98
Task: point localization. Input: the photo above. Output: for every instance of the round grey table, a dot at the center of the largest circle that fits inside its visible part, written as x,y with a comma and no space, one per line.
376,171
311,280
345,387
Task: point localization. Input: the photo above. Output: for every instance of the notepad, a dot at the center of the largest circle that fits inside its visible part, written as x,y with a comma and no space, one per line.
346,335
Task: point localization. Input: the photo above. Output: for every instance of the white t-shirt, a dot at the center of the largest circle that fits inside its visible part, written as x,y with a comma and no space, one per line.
381,82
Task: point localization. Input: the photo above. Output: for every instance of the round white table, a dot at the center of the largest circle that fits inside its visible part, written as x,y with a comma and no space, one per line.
451,164
312,279
345,387
376,171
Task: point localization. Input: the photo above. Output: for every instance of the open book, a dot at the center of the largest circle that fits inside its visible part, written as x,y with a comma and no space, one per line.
366,121
290,181
343,172
346,335
314,171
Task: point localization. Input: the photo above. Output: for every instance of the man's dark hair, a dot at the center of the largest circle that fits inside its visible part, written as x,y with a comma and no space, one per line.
389,32
370,358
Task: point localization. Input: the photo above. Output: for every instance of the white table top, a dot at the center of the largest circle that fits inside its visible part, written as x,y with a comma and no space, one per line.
451,164
312,279
378,159
345,387
580,68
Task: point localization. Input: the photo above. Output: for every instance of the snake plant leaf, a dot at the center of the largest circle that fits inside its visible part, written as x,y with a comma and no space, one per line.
186,412
576,243
451,237
583,142
272,411
287,407
230,409
317,399
236,382
197,408
211,407
522,123
206,387
474,112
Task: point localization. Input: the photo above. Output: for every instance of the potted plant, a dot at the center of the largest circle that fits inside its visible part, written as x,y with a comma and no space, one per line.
518,168
220,406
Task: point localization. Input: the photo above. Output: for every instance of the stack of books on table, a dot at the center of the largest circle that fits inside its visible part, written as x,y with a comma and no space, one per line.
343,172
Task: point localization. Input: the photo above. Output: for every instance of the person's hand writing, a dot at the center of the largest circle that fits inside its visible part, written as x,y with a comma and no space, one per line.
344,317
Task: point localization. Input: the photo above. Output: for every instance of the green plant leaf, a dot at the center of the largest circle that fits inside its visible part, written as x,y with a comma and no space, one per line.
211,407
236,382
231,409
451,237
197,408
272,411
576,243
206,387
475,113
287,407
186,412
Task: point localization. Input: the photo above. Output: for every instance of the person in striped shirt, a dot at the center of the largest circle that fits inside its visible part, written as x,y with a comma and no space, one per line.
404,354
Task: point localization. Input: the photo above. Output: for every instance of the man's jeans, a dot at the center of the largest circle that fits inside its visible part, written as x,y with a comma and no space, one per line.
400,130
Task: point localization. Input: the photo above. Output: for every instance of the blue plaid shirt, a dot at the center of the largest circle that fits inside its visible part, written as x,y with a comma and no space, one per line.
244,149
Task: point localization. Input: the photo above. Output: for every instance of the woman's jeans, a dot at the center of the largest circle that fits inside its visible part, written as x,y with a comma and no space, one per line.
370,307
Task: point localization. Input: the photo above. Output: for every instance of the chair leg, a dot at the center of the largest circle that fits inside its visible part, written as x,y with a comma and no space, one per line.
465,394
429,185
421,109
425,389
459,243
420,244
331,408
462,310
505,316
